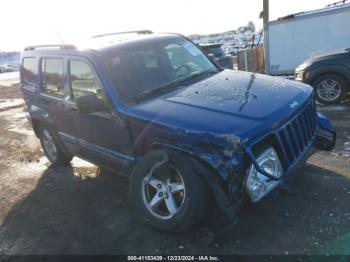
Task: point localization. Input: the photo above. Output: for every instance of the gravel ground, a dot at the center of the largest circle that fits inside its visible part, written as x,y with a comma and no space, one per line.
80,210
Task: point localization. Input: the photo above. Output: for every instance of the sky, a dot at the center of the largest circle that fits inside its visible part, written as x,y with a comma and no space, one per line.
30,22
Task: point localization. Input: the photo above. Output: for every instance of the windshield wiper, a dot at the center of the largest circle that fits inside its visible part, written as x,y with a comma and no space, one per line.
156,90
196,75
173,84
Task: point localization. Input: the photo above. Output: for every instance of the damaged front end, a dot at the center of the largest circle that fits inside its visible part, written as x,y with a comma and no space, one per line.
245,168
279,154
252,169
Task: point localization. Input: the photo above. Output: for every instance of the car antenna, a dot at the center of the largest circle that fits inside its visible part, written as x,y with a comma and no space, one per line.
60,37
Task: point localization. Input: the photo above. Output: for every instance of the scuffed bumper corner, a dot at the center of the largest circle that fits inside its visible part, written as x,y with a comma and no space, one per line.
326,135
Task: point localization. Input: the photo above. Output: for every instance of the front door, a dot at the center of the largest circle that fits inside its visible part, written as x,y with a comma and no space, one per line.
102,136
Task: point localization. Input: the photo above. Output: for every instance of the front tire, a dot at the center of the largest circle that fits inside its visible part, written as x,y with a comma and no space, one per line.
330,89
166,193
52,149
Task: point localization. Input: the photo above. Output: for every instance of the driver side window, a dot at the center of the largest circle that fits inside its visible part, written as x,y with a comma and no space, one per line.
83,80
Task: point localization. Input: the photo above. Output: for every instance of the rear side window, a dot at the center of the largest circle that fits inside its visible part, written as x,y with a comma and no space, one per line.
53,78
29,71
83,79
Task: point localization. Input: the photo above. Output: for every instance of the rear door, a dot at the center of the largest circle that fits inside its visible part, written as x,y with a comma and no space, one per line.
103,136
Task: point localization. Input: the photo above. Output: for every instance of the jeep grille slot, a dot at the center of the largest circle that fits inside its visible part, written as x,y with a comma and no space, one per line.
295,136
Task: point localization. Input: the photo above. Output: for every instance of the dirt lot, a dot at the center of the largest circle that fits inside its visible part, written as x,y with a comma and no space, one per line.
78,210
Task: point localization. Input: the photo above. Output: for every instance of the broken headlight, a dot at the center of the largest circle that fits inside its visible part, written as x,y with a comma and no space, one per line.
258,185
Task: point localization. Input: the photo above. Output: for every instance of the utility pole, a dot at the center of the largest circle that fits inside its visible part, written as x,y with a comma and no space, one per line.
266,36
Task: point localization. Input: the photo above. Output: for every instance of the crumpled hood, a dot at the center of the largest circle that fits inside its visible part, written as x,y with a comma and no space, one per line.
243,94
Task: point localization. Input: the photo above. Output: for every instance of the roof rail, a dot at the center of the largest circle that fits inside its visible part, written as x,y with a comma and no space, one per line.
59,46
343,2
139,32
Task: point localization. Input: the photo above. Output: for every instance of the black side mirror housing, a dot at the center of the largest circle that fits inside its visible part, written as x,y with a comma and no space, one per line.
89,103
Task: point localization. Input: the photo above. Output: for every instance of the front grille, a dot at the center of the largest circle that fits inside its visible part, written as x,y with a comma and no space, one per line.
295,137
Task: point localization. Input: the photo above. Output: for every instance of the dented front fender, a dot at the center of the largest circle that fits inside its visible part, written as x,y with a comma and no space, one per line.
223,152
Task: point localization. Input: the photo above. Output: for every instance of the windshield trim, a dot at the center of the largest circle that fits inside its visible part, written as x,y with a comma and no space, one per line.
178,83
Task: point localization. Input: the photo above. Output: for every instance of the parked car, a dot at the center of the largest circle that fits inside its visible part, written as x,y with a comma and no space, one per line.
329,74
14,67
155,108
218,54
5,69
232,50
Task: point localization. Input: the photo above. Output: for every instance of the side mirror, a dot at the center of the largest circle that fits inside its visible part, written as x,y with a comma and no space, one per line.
89,103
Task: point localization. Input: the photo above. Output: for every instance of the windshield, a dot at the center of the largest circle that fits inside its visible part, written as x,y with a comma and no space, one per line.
140,68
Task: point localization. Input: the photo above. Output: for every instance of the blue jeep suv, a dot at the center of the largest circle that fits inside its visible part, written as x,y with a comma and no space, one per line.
155,108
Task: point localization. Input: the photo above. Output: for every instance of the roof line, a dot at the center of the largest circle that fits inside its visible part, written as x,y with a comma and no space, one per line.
140,32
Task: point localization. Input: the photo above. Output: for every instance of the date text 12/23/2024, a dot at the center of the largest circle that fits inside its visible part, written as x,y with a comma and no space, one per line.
173,258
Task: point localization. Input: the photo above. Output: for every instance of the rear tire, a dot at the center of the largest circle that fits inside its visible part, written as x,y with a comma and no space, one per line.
166,193
330,89
52,149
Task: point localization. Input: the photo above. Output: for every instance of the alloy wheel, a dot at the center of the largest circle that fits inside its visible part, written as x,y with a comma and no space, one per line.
49,145
329,90
163,195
